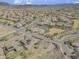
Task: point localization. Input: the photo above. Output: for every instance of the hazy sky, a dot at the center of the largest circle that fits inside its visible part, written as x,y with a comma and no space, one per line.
39,1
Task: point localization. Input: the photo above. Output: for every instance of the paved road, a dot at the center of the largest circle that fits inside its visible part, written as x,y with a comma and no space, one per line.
62,46
18,30
65,38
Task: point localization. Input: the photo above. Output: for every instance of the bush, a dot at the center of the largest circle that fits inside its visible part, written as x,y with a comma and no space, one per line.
12,55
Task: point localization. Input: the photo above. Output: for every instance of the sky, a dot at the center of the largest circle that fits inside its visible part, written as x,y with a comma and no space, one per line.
39,1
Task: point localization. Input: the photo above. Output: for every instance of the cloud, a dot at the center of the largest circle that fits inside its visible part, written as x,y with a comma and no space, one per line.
28,1
45,0
20,2
17,1
76,2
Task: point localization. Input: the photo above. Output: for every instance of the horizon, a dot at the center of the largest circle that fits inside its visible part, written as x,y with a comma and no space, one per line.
38,2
